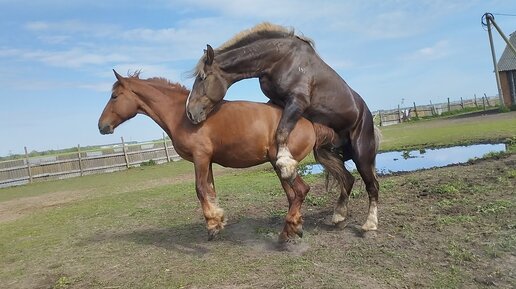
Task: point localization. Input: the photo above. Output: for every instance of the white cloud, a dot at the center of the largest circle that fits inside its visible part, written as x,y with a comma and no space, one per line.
99,87
36,26
71,27
438,50
73,58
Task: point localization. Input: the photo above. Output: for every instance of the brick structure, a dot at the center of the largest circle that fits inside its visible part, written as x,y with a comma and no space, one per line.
507,70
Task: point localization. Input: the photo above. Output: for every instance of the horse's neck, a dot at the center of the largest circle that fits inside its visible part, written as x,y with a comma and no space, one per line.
252,60
165,109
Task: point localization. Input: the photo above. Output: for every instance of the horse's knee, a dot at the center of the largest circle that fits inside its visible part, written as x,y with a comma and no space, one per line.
286,164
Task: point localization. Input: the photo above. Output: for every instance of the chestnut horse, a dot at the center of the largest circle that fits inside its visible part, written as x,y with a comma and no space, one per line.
229,137
293,76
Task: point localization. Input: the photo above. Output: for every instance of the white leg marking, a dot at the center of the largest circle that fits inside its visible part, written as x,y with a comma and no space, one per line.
340,213
372,219
286,164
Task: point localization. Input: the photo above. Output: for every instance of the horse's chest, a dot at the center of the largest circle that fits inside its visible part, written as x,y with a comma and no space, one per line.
271,89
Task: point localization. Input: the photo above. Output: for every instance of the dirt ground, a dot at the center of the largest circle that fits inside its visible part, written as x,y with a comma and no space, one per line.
452,227
459,221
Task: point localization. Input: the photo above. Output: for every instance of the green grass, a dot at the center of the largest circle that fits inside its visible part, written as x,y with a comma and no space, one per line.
143,228
442,132
107,183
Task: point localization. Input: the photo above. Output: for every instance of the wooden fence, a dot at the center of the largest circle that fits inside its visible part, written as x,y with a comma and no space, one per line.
399,115
106,159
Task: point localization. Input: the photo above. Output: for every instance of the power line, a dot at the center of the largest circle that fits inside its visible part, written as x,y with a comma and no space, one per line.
504,14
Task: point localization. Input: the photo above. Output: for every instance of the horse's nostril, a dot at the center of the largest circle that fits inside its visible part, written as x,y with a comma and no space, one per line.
189,115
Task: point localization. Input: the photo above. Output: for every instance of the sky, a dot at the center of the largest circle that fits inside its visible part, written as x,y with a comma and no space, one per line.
57,56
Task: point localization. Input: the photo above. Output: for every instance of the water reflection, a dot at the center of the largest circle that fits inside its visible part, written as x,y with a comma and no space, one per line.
406,161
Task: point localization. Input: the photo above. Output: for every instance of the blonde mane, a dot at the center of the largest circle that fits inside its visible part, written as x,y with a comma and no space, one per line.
264,30
257,29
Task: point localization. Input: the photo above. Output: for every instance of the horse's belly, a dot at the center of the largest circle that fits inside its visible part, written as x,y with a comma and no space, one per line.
240,157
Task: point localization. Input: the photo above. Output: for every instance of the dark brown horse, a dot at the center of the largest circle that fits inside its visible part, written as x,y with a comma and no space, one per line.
229,137
294,77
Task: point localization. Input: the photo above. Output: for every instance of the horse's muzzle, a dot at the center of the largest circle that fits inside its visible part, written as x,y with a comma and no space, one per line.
196,118
106,129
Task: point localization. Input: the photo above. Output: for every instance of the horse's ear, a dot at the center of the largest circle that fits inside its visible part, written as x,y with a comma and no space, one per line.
210,55
119,77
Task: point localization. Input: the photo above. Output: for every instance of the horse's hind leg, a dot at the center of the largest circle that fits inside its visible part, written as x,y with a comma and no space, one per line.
204,186
296,192
364,155
341,208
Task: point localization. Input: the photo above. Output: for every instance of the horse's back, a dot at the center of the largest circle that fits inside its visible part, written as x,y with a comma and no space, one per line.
242,134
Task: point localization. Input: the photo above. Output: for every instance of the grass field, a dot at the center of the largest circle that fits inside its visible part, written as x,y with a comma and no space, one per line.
457,130
142,228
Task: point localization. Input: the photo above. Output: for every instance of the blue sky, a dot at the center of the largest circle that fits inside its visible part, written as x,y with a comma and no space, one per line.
56,56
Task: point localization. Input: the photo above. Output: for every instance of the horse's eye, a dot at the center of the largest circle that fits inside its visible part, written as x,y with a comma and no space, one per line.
113,96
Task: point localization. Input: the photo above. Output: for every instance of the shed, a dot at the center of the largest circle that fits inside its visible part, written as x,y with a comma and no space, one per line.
507,71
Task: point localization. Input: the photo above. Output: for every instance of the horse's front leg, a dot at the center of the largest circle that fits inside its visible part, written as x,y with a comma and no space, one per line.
296,192
205,188
286,164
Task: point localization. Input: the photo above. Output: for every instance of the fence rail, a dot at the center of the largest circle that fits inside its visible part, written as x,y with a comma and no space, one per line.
106,159
122,156
399,115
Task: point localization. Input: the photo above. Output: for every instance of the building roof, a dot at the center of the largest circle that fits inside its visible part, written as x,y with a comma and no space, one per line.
508,59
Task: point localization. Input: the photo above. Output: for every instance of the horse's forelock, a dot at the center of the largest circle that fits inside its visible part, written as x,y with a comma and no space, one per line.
198,70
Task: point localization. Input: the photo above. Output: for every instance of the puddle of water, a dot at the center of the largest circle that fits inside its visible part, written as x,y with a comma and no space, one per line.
407,161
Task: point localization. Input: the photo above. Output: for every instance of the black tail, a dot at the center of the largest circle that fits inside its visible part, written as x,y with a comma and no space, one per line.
328,157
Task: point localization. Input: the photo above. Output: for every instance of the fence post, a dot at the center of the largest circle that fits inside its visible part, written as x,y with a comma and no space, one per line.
483,103
125,152
380,115
449,109
80,158
432,109
166,148
461,103
28,164
487,99
476,100
415,110
399,114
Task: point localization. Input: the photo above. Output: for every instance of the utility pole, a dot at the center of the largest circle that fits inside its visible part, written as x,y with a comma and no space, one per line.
489,19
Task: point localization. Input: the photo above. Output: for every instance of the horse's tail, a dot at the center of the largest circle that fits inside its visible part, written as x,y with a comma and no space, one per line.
328,156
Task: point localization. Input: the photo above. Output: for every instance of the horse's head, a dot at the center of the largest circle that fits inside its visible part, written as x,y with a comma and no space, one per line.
208,89
122,105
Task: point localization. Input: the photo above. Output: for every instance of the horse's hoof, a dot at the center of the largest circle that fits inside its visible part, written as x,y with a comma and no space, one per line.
212,234
283,238
337,218
369,227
